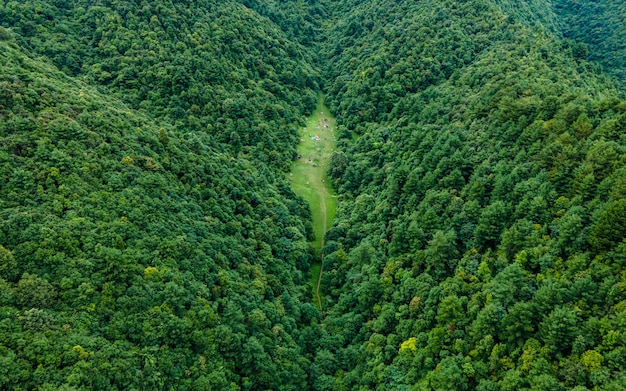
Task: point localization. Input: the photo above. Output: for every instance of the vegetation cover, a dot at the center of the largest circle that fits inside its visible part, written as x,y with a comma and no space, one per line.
149,238
309,179
479,241
599,25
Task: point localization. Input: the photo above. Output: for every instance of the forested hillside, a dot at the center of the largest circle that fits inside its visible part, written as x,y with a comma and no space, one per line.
479,241
150,240
600,25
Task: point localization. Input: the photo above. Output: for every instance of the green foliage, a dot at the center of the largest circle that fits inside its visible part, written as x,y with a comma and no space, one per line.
201,66
5,35
598,28
149,238
8,264
139,249
610,229
32,291
485,184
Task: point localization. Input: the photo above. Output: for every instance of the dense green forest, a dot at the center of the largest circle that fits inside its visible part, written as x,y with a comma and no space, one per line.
479,242
600,25
149,238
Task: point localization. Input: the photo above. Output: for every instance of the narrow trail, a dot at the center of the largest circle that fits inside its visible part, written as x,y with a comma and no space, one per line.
319,278
308,180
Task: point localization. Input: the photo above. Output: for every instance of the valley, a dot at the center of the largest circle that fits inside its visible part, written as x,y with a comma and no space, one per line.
309,180
255,195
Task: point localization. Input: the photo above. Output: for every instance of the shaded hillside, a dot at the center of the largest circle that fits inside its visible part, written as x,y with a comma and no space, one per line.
472,248
219,68
601,25
533,13
301,20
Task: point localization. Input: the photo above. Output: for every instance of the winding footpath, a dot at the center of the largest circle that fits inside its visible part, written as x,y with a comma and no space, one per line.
309,180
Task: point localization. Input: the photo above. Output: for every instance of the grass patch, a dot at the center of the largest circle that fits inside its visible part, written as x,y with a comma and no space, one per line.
309,180
314,275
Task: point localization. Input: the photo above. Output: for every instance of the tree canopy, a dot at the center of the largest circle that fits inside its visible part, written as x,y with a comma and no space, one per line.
149,238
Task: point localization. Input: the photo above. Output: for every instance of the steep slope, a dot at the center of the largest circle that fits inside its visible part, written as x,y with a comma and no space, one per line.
473,248
214,67
148,239
601,25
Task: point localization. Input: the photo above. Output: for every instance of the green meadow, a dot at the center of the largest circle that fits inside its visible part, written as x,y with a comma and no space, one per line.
308,179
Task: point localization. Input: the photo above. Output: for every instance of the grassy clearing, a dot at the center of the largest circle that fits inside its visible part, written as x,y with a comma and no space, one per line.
308,178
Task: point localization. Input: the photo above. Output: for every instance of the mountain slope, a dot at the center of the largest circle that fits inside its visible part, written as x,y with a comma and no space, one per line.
149,239
220,68
472,248
601,26
138,249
